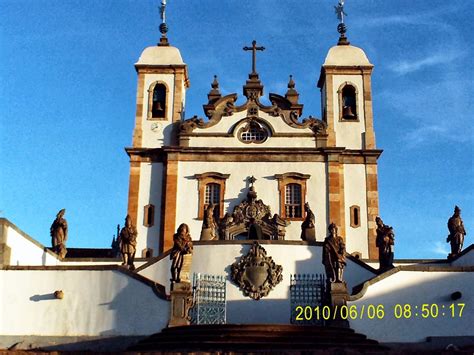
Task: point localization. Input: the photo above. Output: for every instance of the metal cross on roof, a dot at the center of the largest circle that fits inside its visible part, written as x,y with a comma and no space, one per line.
254,50
251,179
340,11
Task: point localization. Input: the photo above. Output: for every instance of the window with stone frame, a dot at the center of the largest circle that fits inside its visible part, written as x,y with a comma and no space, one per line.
157,101
292,188
149,215
253,132
355,216
211,187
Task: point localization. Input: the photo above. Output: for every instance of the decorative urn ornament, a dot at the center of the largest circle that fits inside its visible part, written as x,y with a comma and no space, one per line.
256,274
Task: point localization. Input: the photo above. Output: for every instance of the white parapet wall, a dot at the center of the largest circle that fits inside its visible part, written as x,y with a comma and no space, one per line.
411,303
216,258
18,248
98,301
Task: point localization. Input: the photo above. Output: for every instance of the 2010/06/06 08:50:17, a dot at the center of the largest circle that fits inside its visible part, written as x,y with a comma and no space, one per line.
399,311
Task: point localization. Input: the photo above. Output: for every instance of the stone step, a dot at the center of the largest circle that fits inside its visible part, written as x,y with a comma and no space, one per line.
232,337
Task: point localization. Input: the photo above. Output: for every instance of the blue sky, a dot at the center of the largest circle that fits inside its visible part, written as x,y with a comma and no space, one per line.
68,90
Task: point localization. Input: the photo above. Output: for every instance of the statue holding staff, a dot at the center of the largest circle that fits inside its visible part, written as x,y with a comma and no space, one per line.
128,243
334,255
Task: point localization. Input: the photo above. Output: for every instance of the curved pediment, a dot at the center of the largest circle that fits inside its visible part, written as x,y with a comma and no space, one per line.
272,125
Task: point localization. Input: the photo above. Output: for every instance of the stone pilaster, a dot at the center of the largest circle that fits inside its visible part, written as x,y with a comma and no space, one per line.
331,139
138,131
168,206
338,297
181,302
372,205
133,189
368,114
335,175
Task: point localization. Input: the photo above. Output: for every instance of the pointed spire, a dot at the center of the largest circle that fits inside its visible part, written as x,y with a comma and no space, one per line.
291,94
215,93
163,25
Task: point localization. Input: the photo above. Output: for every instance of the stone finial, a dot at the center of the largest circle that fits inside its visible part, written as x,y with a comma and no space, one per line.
292,95
215,93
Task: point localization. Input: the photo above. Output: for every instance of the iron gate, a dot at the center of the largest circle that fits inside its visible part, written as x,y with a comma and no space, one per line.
209,299
306,290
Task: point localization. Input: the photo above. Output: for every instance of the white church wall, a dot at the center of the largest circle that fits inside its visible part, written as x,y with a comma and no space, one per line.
151,180
271,142
415,288
22,249
231,124
355,194
266,187
465,259
95,303
275,308
349,134
156,133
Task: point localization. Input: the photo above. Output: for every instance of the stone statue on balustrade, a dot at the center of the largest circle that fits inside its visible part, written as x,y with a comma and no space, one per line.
457,233
209,226
385,242
128,243
58,233
308,232
183,245
334,255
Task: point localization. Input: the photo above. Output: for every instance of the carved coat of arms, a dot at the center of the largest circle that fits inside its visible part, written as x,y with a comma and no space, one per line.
256,274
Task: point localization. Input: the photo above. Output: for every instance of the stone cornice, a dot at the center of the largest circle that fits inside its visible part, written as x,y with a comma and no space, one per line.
342,155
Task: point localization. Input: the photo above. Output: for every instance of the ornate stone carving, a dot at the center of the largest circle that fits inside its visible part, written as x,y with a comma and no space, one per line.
58,233
334,255
182,246
256,274
308,231
250,212
385,241
456,233
128,243
208,230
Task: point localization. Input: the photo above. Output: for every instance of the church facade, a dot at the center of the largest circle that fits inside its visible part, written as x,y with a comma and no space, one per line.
179,166
259,186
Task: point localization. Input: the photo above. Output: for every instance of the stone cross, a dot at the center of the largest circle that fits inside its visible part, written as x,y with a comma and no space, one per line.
254,50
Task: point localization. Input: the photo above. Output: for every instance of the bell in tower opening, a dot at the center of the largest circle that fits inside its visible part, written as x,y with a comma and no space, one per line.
159,101
349,111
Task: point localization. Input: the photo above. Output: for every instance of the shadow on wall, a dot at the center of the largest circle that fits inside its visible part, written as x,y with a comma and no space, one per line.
44,297
240,197
137,310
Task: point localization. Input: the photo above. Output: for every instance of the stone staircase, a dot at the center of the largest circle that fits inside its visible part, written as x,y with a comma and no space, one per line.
256,337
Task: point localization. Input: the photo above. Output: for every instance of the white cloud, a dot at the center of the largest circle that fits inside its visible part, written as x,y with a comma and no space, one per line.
408,66
440,248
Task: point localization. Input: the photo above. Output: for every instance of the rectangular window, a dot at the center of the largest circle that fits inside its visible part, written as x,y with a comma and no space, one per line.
293,208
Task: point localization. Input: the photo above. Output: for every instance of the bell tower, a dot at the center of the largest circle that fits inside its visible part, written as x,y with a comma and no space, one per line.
346,100
162,83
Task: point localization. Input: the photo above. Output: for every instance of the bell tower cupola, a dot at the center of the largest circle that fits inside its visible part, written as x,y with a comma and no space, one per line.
162,83
346,95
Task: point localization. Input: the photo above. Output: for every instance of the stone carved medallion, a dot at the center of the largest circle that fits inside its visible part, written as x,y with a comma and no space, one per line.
256,274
